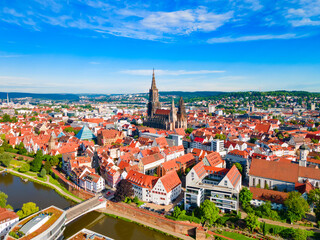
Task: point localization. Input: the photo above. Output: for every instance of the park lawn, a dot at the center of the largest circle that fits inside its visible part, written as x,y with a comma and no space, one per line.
16,163
236,236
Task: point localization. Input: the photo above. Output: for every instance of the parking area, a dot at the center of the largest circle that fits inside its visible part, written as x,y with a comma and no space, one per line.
163,209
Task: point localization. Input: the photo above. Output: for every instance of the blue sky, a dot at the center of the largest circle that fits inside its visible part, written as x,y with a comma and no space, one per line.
96,46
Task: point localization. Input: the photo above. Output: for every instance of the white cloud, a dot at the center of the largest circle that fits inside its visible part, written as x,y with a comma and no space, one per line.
186,21
252,38
94,63
148,72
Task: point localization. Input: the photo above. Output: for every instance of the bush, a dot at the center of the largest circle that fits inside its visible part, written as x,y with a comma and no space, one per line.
43,173
24,168
20,158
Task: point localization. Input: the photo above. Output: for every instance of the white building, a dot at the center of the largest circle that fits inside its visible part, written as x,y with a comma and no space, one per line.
163,190
210,180
91,182
8,218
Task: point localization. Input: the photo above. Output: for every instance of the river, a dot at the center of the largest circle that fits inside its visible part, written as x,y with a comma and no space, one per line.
20,192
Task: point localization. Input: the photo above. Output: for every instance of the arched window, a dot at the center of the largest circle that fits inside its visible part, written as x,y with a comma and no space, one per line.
254,182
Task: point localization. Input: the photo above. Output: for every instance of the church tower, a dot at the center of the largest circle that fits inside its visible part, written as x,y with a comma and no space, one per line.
153,98
304,151
52,142
182,115
173,116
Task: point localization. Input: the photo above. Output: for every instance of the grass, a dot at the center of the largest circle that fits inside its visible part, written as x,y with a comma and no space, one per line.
16,163
235,235
140,224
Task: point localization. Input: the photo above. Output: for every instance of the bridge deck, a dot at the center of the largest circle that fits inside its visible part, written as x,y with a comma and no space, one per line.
83,207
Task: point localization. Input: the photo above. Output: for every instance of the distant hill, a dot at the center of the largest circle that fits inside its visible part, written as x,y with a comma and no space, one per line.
192,94
44,96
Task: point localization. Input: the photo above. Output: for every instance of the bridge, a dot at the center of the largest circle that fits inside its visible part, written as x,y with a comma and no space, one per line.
83,208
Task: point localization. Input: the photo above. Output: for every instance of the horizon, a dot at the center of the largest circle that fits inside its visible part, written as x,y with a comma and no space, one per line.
62,46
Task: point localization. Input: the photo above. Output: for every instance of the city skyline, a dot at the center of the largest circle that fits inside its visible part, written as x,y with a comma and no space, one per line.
89,46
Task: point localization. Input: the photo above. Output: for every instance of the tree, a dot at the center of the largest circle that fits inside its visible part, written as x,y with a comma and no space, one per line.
5,159
54,161
253,140
252,222
299,234
36,164
208,212
47,166
245,196
239,166
220,136
3,200
296,206
43,172
24,168
189,130
27,209
124,189
314,196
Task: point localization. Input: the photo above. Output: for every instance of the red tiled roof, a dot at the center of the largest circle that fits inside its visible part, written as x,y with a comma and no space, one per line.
268,195
170,181
152,158
140,179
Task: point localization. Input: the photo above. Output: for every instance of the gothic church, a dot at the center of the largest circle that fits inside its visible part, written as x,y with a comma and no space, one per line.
164,118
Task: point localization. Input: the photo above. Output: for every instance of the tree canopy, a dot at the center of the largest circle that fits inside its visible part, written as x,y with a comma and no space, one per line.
27,209
296,206
208,212
3,200
245,196
252,222
124,189
5,159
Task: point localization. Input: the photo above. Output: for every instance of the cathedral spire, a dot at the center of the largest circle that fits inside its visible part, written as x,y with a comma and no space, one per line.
153,84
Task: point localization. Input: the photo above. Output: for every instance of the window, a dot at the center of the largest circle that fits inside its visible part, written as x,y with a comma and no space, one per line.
225,182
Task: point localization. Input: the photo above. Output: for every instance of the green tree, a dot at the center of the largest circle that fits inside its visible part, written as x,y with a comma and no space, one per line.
54,161
36,164
177,212
208,212
124,189
43,172
27,209
245,196
253,140
239,166
299,234
220,136
47,166
5,159
24,168
252,222
3,200
296,206
189,130
314,196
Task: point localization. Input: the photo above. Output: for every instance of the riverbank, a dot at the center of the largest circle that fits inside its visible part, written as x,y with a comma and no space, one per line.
115,214
60,190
